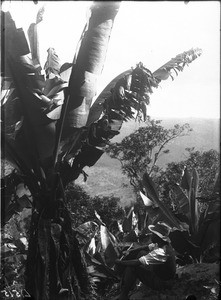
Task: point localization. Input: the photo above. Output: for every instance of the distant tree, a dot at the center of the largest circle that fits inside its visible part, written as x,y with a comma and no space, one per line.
139,152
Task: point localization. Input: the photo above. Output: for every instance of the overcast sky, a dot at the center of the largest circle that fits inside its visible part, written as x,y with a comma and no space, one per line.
151,32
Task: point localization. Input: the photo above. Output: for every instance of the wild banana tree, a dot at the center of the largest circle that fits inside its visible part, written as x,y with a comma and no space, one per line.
195,221
36,145
201,213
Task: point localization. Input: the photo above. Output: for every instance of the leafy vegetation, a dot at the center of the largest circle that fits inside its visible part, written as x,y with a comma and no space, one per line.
50,132
36,141
139,152
14,247
200,234
82,206
206,163
189,203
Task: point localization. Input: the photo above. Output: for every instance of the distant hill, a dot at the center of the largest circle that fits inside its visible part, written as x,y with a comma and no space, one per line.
106,178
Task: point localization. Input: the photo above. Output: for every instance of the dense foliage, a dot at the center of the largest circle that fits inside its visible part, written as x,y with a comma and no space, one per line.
83,206
139,152
50,132
206,163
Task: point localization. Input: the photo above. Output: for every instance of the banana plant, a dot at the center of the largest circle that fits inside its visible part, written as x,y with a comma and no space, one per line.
166,212
202,214
195,222
38,138
101,249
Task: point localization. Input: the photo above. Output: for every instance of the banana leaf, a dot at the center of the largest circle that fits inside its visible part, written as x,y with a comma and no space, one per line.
108,244
146,200
101,269
127,222
99,218
182,199
52,64
97,107
40,135
108,247
35,141
87,229
34,44
42,127
163,73
186,180
91,248
177,64
151,190
194,210
181,243
33,36
11,36
90,61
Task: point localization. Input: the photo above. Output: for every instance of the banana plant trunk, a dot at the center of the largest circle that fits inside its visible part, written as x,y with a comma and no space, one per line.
55,265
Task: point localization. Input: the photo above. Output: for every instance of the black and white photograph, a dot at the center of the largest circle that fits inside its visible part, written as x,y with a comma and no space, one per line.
110,150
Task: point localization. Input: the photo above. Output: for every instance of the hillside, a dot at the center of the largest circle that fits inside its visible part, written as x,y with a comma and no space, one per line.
106,178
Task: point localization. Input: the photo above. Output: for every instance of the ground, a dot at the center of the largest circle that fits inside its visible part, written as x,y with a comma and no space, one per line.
201,280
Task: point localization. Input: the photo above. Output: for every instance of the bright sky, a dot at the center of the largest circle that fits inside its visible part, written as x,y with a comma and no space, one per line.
151,32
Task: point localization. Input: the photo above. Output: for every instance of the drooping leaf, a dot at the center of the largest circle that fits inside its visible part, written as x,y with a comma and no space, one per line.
11,36
52,65
130,94
41,129
140,83
97,107
150,188
54,86
177,63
